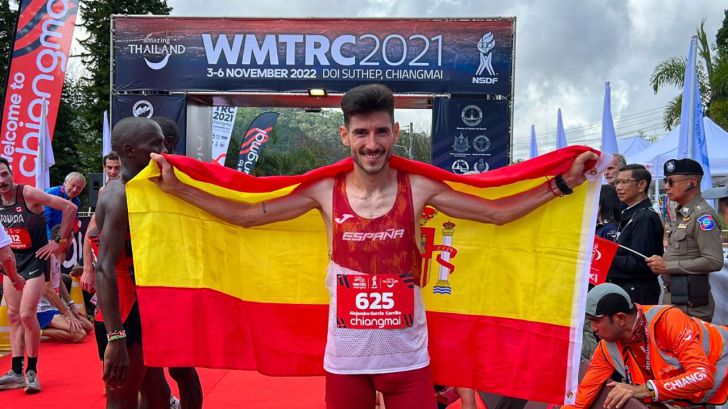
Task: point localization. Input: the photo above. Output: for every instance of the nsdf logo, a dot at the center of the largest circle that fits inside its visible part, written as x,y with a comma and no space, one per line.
485,50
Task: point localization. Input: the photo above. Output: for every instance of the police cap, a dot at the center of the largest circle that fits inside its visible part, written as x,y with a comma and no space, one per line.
682,167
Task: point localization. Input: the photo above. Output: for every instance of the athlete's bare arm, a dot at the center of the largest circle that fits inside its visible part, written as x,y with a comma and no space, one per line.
247,214
36,199
498,211
113,220
88,278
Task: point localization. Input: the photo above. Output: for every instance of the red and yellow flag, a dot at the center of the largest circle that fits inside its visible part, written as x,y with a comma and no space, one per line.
505,304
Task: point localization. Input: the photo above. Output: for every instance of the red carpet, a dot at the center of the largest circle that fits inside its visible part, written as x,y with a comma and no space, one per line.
70,376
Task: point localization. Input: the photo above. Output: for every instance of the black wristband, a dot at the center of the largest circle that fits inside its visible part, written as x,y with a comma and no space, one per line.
561,184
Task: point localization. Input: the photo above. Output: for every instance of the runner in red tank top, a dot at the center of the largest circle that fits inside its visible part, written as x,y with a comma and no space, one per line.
369,194
124,371
389,236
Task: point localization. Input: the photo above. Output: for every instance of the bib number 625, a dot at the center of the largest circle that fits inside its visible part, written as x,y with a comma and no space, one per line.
374,301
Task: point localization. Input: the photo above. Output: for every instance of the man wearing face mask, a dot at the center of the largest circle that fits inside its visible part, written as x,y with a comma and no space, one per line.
694,245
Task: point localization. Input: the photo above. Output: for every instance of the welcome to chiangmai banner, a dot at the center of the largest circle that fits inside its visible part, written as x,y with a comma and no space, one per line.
37,68
504,314
294,55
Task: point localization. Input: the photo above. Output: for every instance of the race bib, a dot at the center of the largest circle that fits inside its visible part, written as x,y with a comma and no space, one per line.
374,301
20,237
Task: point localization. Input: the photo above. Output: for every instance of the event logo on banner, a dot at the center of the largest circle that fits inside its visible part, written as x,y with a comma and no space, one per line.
470,135
255,138
173,107
229,54
602,255
37,68
223,119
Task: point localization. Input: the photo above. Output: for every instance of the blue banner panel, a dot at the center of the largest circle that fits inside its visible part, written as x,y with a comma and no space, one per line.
173,107
294,55
470,135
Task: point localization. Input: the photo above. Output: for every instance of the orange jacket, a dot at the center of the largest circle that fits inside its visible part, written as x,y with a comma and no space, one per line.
688,359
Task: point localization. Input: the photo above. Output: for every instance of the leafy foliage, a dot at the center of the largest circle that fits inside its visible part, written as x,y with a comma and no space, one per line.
302,141
712,69
94,87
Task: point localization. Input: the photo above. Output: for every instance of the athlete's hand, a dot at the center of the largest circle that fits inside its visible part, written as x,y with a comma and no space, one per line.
45,252
575,176
116,364
622,392
73,323
18,282
88,278
167,181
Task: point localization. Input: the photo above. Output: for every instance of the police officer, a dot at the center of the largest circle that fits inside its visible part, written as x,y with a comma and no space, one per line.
694,244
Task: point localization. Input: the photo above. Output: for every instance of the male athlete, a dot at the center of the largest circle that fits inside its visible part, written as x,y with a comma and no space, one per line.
21,213
373,198
124,371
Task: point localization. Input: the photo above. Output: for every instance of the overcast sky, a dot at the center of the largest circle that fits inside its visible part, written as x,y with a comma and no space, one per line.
565,50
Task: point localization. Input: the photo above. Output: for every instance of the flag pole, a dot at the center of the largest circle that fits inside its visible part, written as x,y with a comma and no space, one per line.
691,96
633,251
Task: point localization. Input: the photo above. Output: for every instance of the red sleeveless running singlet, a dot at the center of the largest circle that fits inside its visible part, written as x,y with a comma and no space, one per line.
383,245
124,277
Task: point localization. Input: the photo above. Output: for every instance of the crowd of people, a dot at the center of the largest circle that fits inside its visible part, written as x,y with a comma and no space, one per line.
658,352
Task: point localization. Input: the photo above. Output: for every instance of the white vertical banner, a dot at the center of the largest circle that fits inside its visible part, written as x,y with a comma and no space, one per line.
223,119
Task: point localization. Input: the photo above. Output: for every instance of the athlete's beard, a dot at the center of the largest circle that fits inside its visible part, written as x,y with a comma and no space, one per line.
357,156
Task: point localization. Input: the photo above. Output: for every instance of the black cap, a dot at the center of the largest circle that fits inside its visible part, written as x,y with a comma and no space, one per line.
682,167
607,299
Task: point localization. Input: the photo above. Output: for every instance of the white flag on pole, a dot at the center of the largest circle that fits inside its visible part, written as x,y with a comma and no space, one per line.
45,158
106,135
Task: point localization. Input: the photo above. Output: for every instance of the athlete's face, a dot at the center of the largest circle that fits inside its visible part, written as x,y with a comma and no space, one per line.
6,179
152,142
112,168
371,138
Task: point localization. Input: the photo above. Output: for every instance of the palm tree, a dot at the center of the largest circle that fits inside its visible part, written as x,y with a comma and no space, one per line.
712,69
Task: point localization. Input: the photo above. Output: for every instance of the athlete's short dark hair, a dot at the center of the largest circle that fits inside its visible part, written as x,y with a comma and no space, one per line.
111,156
366,99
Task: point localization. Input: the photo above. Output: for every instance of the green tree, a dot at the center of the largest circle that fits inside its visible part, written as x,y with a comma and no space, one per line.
721,38
71,146
94,87
712,69
299,142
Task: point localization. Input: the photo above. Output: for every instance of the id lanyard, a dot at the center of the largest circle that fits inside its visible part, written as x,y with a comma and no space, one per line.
648,364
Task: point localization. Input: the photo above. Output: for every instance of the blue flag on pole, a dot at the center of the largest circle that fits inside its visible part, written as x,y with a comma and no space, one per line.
560,134
533,152
609,136
691,142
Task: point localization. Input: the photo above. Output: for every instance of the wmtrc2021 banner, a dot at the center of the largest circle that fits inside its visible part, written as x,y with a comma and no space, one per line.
35,80
294,55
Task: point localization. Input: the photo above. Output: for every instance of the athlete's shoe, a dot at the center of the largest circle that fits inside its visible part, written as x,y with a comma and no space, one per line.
32,385
12,380
174,402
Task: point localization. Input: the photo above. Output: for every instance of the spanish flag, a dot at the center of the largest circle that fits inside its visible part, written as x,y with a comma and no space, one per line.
505,304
